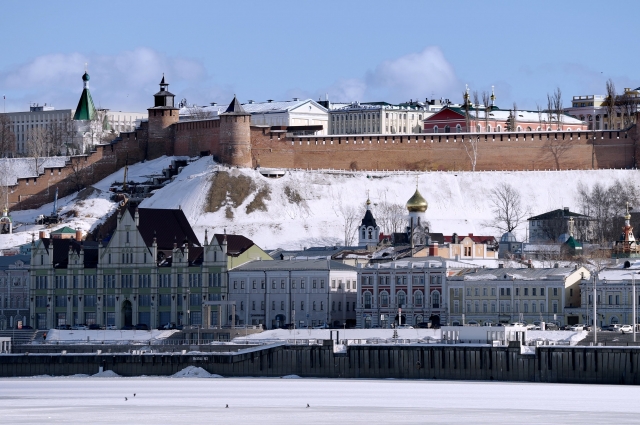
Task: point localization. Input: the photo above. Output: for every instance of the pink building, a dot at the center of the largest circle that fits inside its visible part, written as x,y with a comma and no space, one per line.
454,120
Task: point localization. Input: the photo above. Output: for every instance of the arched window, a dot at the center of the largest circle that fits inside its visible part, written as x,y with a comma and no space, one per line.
528,128
519,128
488,128
569,128
367,322
419,319
367,299
363,233
435,299
447,129
458,128
548,128
417,298
538,129
478,128
435,128
401,298
370,232
384,299
498,129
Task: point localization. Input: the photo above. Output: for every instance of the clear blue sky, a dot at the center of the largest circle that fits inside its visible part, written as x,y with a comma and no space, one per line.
350,50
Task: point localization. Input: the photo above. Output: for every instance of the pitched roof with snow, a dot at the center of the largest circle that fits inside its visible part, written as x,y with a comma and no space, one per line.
516,274
504,114
559,213
294,265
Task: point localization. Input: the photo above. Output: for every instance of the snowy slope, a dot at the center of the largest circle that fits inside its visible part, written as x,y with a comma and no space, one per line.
458,201
92,210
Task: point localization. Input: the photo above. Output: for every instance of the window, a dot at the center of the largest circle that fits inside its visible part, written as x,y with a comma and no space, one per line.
253,305
126,280
418,298
90,281
293,284
321,283
517,292
508,292
333,306
273,305
301,283
214,280
542,292
384,299
467,251
164,280
144,280
89,300
435,299
195,280
314,284
282,284
502,292
402,298
468,292
367,300
526,292
455,292
254,285
301,305
144,300
273,284
262,305
110,301
321,305
476,291
493,292
194,300
314,306
533,292
282,305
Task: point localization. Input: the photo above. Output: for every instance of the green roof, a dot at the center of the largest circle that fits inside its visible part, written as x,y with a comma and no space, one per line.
85,111
65,229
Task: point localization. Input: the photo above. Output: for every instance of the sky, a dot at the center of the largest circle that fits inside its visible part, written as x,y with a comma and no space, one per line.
352,50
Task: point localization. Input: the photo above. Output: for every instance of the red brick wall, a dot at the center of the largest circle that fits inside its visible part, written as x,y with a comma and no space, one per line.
193,137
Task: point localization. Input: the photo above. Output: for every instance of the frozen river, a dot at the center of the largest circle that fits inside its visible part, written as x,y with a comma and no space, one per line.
279,401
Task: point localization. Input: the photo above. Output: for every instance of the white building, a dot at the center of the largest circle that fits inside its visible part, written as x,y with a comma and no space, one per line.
301,116
379,117
305,292
507,295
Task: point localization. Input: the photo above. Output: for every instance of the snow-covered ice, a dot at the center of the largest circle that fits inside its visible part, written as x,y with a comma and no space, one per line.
284,401
107,335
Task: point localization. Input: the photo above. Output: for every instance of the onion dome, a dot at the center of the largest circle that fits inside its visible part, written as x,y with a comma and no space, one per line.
86,77
417,203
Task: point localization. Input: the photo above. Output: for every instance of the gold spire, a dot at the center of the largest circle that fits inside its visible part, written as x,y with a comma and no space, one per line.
628,214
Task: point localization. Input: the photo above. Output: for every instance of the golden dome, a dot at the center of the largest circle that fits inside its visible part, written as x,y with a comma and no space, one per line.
417,203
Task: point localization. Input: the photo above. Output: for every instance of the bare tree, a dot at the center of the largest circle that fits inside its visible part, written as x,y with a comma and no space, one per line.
471,147
555,110
7,137
556,148
350,216
610,102
628,106
390,217
486,102
198,113
507,208
37,146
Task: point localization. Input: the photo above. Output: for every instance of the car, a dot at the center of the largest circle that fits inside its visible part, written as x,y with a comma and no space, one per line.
324,326
577,327
95,326
625,329
142,327
127,328
112,328
64,327
518,324
404,327
79,327
27,327
615,327
531,327
423,325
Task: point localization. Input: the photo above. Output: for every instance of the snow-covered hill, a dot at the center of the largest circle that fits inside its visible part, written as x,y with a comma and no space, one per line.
458,201
306,208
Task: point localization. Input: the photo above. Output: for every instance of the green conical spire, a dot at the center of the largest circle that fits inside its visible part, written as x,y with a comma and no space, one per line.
85,111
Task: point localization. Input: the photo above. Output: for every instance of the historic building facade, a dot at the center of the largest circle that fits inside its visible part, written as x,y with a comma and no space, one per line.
152,271
505,295
14,291
307,293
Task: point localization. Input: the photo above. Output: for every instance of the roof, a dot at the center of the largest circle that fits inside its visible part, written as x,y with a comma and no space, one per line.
236,244
421,263
294,265
167,226
516,274
65,229
278,106
85,111
368,219
498,114
475,238
235,108
61,251
560,212
9,260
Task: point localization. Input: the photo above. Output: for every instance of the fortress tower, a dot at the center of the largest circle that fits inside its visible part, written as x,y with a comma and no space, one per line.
235,136
161,117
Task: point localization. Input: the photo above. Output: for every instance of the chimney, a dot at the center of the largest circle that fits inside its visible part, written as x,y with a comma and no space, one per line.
78,234
433,249
42,234
295,99
501,265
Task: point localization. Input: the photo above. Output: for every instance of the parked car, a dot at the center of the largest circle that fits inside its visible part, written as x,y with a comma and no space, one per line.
423,325
112,328
517,324
64,327
95,326
127,328
404,327
27,327
142,327
577,327
625,329
616,327
79,327
324,326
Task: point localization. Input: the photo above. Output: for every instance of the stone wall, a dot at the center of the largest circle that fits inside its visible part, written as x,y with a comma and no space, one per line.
598,365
